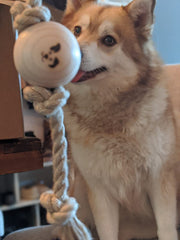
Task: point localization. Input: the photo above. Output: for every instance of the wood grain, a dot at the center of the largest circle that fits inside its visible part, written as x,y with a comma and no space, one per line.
19,155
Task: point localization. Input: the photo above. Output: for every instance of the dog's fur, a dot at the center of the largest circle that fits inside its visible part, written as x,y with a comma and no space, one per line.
120,126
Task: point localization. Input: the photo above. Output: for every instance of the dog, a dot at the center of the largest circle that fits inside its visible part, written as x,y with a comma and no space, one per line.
120,125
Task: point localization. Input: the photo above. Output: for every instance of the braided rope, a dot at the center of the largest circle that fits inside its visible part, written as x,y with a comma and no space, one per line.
61,209
28,13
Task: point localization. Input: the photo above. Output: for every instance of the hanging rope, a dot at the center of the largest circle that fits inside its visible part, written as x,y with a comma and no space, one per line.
28,13
61,209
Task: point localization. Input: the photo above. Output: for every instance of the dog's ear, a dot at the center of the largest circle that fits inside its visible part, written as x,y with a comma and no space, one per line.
141,12
74,5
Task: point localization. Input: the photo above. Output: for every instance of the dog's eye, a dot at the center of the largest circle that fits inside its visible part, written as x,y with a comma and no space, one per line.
109,41
77,31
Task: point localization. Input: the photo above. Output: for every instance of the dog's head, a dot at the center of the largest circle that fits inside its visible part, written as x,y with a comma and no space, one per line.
114,41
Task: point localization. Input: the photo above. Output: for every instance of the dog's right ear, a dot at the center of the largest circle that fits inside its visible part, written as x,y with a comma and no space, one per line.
74,5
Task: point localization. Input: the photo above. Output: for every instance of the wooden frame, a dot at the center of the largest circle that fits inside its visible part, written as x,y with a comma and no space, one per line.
20,155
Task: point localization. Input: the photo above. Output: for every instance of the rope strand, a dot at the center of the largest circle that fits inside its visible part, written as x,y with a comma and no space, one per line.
61,209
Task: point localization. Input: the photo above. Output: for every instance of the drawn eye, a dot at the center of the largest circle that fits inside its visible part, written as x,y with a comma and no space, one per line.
77,31
109,41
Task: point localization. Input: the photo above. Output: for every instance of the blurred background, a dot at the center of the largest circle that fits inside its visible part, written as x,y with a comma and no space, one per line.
167,30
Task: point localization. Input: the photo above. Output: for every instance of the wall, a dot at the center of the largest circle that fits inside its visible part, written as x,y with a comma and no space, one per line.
33,122
167,30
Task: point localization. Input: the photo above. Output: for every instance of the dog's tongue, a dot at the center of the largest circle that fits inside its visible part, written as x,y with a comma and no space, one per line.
78,76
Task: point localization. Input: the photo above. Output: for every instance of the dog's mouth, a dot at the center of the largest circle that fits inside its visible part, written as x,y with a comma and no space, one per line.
83,76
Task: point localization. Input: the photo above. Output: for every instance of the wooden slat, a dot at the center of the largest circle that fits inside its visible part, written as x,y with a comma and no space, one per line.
11,118
20,145
20,155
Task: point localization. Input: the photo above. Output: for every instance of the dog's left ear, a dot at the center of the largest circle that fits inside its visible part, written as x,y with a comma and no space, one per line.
141,12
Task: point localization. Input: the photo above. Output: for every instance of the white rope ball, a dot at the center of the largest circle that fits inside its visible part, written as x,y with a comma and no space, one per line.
47,54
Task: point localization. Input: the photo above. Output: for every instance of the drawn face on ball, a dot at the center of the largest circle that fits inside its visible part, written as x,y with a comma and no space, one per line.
51,56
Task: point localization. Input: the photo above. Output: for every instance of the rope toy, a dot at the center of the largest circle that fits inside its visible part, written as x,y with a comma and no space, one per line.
27,13
61,209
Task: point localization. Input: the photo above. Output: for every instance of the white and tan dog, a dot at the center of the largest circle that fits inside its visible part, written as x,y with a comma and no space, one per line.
120,125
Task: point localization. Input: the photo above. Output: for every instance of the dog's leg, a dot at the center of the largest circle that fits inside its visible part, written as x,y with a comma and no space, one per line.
163,200
106,213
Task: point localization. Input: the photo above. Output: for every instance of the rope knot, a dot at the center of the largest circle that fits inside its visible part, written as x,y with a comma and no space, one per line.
46,102
28,13
58,212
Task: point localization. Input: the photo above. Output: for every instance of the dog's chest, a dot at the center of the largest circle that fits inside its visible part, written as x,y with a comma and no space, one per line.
119,162
117,166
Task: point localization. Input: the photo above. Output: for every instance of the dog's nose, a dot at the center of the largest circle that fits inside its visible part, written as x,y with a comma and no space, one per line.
81,53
